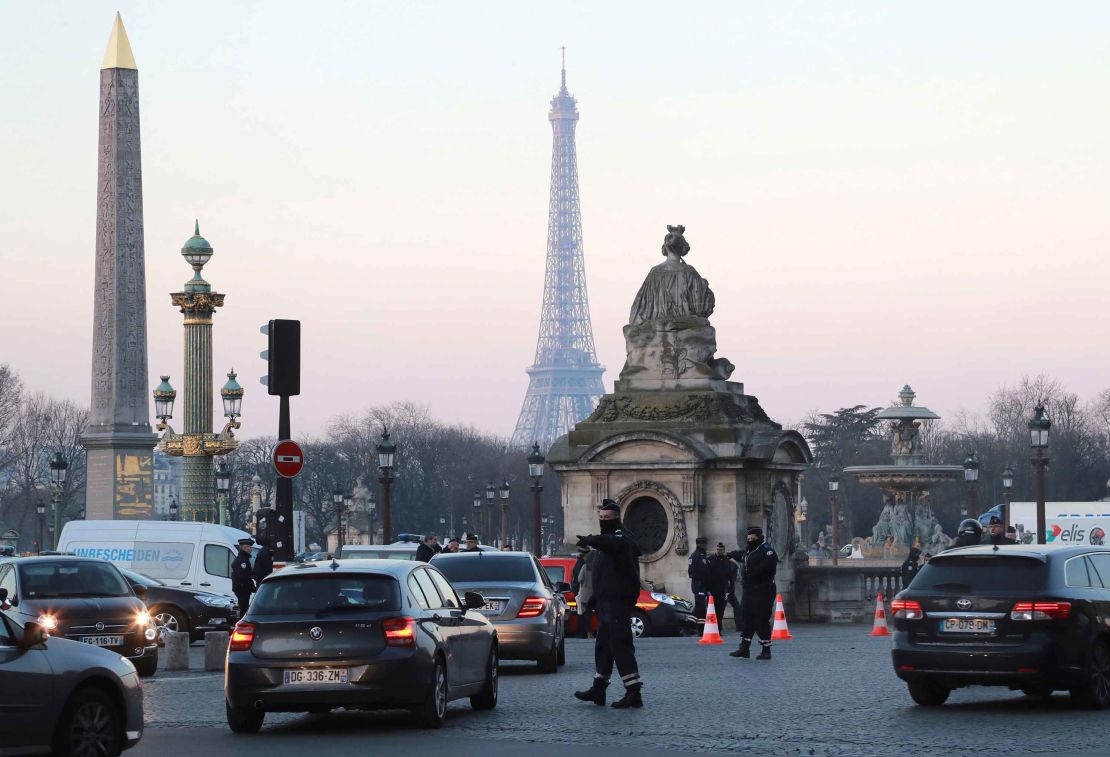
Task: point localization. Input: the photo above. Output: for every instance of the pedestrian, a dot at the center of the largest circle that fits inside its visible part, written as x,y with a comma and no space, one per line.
996,532
968,534
471,543
718,572
1011,533
452,545
582,585
733,595
428,549
615,584
506,547
697,568
242,581
757,580
910,567
263,563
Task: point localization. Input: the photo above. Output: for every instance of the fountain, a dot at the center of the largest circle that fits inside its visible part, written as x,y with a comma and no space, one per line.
907,519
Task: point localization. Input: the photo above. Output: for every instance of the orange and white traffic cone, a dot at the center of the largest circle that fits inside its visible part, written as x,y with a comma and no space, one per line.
711,635
880,627
780,631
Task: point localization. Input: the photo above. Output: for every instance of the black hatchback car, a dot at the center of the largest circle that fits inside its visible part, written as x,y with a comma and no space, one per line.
359,634
1033,618
184,610
82,599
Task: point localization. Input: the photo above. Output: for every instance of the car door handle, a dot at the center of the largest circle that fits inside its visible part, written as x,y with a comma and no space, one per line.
203,583
185,583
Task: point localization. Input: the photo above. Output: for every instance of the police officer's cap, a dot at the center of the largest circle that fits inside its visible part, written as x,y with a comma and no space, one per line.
472,537
246,542
720,545
994,521
608,504
755,530
701,540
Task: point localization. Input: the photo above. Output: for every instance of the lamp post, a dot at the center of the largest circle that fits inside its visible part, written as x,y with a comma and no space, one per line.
535,470
504,492
58,468
223,486
803,524
1007,492
198,445
971,477
834,501
491,496
386,451
40,508
1038,437
337,501
173,508
477,509
348,501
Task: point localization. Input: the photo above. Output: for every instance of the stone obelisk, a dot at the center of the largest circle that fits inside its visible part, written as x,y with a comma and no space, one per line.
119,443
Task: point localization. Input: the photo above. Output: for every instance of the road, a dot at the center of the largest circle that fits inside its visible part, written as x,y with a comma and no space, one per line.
829,691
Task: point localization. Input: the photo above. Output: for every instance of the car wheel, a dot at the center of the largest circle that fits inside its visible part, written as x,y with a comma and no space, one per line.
147,665
244,719
549,662
487,700
433,711
641,626
169,619
1094,692
929,693
563,648
90,725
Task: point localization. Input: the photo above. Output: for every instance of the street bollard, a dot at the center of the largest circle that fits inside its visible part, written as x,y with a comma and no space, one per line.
215,649
175,655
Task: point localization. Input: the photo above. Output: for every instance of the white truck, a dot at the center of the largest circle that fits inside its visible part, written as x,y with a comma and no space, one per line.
1065,522
192,555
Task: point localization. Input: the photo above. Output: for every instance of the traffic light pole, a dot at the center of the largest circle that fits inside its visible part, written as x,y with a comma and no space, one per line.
283,529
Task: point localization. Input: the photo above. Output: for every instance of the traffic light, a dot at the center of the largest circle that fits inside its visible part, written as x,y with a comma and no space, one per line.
283,357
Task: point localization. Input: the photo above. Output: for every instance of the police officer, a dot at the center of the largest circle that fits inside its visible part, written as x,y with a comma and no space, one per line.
263,562
471,543
615,585
996,532
968,534
697,568
910,567
757,579
719,568
733,598
242,580
428,548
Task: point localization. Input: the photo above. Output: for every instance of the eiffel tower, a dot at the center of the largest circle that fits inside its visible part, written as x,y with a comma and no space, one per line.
565,380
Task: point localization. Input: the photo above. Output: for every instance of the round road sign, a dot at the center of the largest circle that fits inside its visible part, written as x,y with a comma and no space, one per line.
288,458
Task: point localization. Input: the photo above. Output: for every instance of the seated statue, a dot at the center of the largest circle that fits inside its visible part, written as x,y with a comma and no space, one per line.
673,288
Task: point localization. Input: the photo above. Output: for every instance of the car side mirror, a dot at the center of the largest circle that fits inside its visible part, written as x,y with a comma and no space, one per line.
33,635
562,587
472,600
140,590
4,603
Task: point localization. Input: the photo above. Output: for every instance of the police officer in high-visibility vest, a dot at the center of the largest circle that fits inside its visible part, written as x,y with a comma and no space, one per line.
757,578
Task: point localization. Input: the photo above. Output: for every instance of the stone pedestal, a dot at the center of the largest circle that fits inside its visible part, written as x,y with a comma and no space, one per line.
175,655
215,649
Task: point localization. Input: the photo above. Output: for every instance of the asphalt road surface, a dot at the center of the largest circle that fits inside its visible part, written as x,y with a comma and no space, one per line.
829,691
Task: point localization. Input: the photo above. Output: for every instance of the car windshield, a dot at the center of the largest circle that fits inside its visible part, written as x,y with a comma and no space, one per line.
139,578
71,578
326,593
989,573
486,567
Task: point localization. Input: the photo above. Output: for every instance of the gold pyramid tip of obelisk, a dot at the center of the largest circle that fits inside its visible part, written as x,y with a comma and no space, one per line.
118,54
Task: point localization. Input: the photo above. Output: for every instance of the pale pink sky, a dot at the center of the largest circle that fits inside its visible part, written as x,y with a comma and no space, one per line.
877,195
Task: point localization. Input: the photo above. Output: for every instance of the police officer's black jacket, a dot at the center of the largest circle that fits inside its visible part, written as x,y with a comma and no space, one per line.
697,568
263,563
425,552
616,573
1001,539
719,570
759,564
242,581
909,570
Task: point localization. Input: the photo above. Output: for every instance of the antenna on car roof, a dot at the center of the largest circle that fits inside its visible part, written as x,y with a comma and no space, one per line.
334,564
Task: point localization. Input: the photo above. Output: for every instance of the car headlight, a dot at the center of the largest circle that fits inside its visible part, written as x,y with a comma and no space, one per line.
662,598
214,600
142,618
48,622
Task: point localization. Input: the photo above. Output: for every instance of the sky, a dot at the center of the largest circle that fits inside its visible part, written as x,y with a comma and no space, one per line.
878,193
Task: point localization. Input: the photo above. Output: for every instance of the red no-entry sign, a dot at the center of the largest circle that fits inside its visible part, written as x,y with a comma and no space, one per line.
288,458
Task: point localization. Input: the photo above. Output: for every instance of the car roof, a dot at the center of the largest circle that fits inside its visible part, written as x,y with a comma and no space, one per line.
1042,552
53,558
483,554
394,568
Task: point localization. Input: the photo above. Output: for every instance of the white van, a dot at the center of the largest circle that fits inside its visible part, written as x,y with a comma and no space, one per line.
192,555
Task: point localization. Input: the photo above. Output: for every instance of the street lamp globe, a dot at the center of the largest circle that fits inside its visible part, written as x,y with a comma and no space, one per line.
58,468
232,396
386,450
337,497
164,395
1039,427
535,463
1008,478
504,491
491,492
40,508
477,500
347,499
834,483
971,467
173,508
223,477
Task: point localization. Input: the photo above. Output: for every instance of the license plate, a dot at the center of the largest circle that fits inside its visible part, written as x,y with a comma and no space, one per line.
493,607
967,625
315,675
103,641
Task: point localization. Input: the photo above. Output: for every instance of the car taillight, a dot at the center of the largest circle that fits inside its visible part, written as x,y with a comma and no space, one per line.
532,607
1040,611
907,609
242,637
399,632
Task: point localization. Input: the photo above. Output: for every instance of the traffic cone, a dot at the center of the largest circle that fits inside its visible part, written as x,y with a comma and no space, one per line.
711,635
880,627
780,631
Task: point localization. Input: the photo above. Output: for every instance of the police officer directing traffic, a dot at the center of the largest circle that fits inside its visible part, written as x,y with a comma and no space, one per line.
242,579
757,578
615,580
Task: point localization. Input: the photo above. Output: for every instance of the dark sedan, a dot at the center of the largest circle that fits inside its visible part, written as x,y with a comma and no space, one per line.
63,697
359,634
82,599
184,610
1028,617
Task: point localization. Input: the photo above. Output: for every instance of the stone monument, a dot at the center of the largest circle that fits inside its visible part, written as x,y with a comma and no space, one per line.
119,445
683,450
